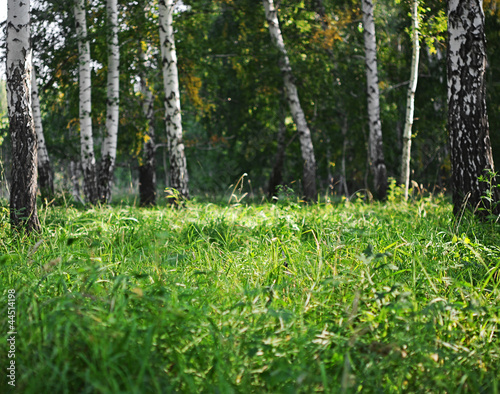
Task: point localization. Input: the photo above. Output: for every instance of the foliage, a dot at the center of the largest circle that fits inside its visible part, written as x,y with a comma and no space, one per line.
254,298
490,204
231,88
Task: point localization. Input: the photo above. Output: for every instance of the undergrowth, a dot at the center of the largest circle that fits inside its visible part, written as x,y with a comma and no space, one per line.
345,297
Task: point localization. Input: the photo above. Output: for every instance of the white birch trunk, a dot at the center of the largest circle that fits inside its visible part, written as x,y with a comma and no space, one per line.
23,211
410,103
45,174
108,151
306,145
471,155
178,166
86,138
375,145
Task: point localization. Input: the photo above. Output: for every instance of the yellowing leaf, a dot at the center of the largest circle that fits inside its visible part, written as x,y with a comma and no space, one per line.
138,291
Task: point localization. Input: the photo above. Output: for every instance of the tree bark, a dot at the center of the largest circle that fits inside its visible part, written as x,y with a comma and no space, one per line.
74,175
277,173
178,166
86,139
410,102
23,211
375,144
306,145
45,173
147,164
343,178
471,155
108,159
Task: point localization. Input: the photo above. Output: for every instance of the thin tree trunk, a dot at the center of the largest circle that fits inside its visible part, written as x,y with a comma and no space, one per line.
410,103
86,139
147,165
471,155
306,145
277,173
178,166
45,173
110,141
23,211
375,145
74,175
330,180
343,180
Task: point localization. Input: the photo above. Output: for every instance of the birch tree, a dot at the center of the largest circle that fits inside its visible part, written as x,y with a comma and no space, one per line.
306,145
147,165
23,211
45,173
410,102
471,154
178,167
375,145
90,189
108,158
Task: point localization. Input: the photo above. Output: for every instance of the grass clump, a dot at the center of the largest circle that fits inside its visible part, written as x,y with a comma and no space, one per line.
276,298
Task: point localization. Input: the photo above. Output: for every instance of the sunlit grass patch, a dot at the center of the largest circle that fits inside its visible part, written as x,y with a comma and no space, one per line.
275,297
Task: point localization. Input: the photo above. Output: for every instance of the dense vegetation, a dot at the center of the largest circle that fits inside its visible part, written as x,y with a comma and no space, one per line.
231,89
348,296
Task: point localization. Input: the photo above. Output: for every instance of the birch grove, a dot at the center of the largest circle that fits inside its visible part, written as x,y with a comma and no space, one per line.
410,102
45,173
231,62
108,150
471,154
306,144
178,167
85,106
375,145
23,211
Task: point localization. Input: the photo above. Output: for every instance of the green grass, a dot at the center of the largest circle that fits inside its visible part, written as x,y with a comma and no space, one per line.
254,298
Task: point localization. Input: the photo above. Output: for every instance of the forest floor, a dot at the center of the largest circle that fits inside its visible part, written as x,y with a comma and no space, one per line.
345,297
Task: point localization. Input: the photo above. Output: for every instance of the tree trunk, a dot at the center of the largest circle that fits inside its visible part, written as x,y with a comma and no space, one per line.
277,174
306,145
23,212
107,166
45,173
86,139
405,160
178,167
375,145
471,155
74,175
343,178
147,165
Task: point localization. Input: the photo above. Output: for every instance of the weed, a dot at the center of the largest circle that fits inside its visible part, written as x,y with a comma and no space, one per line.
490,199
